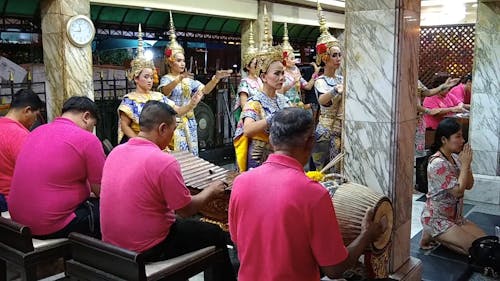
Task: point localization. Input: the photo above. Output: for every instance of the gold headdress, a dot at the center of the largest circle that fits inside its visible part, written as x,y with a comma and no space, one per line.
139,62
174,47
286,44
252,51
272,54
268,53
287,48
325,40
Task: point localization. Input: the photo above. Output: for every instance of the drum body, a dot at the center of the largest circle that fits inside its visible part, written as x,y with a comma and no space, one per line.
352,201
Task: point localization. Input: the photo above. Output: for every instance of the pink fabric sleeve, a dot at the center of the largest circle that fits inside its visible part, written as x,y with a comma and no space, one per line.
172,187
429,102
95,161
326,240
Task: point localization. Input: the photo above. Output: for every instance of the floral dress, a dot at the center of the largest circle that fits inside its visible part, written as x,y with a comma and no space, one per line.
250,153
442,210
294,94
420,132
329,130
132,104
186,134
250,87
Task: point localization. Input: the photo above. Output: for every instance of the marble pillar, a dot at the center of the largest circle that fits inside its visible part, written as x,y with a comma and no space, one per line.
484,129
68,68
381,53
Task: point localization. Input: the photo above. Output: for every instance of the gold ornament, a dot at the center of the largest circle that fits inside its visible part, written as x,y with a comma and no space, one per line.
286,44
174,47
268,53
325,40
139,62
252,51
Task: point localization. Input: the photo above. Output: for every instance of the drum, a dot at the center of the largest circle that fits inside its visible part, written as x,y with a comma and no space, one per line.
351,202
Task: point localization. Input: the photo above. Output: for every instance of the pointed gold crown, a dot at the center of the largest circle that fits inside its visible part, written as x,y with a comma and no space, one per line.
139,62
270,55
266,41
252,51
286,44
325,40
174,47
267,53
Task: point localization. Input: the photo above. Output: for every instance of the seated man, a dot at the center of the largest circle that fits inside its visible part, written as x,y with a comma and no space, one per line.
284,225
56,170
24,109
142,188
440,105
462,92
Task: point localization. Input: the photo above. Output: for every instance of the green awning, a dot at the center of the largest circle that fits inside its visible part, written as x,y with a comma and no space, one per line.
122,18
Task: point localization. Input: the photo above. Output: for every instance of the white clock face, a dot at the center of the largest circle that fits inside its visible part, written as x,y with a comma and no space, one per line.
80,30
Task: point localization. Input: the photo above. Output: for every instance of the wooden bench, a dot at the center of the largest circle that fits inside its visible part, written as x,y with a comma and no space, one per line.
23,253
94,259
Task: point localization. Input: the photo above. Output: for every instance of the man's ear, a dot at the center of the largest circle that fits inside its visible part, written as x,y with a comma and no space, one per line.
86,115
27,109
162,128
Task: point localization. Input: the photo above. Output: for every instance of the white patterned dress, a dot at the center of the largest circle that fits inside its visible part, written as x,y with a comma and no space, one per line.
186,134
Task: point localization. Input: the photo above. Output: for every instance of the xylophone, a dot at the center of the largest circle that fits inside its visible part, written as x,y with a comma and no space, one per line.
197,174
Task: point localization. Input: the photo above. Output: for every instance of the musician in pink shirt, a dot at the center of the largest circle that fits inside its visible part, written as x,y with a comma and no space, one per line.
143,190
462,92
56,170
283,223
24,109
441,105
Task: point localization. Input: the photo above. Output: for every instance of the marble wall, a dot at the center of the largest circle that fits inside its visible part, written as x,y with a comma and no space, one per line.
485,118
382,45
68,68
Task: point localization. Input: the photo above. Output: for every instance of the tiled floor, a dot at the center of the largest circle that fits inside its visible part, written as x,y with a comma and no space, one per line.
476,207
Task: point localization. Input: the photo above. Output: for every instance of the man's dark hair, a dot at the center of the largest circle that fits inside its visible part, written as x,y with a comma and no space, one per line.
439,78
79,104
467,78
154,113
290,126
24,98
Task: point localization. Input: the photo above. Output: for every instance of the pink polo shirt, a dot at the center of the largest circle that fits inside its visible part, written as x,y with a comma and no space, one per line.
460,94
283,223
53,173
12,138
141,188
438,101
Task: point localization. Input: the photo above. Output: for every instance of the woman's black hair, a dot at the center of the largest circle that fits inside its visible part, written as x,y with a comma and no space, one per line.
446,128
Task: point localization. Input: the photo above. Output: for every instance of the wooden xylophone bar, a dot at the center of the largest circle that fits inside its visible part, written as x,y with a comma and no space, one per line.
198,174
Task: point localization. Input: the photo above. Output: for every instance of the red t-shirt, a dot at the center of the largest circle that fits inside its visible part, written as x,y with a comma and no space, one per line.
283,224
12,138
53,173
141,188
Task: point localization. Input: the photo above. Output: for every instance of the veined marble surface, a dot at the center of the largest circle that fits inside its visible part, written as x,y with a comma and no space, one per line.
485,108
370,65
381,77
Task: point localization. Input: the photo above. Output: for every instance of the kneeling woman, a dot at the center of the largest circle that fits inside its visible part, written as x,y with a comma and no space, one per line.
449,174
251,139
